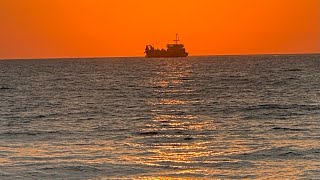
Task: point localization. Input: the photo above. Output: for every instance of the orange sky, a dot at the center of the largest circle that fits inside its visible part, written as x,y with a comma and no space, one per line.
91,28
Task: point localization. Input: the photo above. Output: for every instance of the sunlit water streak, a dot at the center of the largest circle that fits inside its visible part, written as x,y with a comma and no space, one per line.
224,117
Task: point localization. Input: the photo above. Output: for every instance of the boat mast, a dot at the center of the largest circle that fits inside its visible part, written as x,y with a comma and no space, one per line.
177,39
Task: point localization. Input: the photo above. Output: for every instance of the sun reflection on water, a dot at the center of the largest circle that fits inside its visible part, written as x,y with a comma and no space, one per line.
178,139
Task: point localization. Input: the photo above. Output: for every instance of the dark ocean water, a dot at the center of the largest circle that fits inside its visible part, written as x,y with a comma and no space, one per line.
224,117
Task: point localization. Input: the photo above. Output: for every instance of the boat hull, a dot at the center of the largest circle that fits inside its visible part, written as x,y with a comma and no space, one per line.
166,55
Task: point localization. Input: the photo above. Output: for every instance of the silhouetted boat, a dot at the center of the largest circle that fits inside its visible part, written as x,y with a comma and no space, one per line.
173,50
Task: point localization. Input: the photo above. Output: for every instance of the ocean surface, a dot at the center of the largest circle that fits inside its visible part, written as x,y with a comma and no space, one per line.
219,117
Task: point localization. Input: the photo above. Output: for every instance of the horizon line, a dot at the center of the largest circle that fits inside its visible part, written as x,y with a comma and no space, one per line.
201,55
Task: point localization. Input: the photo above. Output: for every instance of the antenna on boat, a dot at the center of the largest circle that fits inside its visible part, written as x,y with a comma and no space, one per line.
177,39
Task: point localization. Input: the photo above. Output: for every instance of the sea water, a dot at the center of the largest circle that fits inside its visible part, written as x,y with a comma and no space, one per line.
218,117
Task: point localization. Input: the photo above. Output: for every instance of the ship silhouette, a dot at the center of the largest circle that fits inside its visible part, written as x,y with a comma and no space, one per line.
173,50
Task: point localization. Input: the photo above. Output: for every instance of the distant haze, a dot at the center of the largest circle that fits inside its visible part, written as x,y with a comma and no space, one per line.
82,28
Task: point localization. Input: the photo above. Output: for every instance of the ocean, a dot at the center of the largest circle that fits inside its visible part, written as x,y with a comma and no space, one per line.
210,117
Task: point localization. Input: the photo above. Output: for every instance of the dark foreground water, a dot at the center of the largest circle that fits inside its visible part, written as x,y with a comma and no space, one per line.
200,117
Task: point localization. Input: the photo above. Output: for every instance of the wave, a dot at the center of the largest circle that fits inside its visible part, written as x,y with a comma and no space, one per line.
279,153
288,129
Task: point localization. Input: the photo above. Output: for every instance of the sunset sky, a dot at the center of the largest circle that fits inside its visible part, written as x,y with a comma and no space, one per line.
99,28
